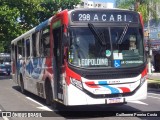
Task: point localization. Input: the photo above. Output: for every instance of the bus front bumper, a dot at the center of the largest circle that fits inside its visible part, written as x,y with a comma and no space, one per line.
78,97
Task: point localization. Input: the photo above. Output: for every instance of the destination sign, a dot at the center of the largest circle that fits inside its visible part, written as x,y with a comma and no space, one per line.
104,16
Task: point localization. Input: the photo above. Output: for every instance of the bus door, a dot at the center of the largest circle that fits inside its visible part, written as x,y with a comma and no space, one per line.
14,63
57,63
20,55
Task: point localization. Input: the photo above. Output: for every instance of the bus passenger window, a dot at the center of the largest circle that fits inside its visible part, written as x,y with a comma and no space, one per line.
46,46
20,48
45,42
12,52
23,48
38,44
34,45
27,48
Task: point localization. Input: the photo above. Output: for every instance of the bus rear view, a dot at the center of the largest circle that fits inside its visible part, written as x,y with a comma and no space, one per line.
106,58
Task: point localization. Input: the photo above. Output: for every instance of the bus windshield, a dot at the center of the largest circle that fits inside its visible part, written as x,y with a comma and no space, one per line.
109,47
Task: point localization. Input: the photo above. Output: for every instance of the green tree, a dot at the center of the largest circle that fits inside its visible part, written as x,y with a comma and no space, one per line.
14,21
50,7
18,16
8,25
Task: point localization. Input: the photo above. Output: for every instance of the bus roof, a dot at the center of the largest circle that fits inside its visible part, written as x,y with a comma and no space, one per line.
47,22
110,9
35,29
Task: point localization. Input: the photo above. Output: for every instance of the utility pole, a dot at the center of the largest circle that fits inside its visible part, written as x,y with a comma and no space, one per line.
149,45
136,5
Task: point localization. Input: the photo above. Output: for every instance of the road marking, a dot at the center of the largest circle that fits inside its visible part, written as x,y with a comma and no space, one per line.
138,102
42,107
5,118
34,101
154,97
45,108
154,94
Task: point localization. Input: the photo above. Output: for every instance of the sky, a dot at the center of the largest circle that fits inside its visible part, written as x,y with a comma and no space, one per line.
112,1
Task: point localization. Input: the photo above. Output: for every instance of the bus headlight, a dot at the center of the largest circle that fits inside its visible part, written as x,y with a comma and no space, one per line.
76,83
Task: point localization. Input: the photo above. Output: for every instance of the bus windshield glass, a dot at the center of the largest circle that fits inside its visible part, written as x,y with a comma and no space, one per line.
106,47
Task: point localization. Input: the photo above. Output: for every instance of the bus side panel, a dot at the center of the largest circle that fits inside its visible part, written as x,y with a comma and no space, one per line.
38,69
33,73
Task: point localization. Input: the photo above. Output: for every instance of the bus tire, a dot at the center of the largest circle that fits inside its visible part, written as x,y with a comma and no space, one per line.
55,105
49,93
22,85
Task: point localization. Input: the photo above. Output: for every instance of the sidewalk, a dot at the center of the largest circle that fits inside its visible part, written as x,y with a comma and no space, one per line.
153,76
154,81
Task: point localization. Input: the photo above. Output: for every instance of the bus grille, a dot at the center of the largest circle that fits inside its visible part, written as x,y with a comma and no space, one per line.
112,76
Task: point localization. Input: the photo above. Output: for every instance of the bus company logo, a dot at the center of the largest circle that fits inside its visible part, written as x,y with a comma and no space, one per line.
21,114
113,81
6,114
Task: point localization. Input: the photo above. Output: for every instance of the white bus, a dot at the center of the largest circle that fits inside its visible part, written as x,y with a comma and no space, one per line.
83,57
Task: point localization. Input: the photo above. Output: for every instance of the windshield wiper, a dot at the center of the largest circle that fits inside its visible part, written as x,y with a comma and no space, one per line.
123,34
96,34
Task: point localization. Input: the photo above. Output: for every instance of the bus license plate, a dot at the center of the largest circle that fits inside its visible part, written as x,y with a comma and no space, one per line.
114,100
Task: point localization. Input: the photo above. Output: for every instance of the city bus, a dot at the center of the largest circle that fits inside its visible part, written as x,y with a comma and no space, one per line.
83,57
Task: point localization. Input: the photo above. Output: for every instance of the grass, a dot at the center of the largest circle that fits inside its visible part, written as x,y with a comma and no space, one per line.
153,81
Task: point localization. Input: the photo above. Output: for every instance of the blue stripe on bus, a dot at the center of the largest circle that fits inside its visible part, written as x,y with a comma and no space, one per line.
105,84
42,25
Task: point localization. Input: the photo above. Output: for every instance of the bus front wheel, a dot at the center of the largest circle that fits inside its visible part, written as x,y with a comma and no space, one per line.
49,96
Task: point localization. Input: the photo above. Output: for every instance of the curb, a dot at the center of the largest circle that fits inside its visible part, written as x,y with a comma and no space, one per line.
154,86
153,79
153,89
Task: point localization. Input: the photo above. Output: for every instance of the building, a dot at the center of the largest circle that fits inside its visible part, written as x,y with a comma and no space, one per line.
97,4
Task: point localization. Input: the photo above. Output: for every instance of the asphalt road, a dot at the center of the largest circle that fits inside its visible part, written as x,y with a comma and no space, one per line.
29,105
